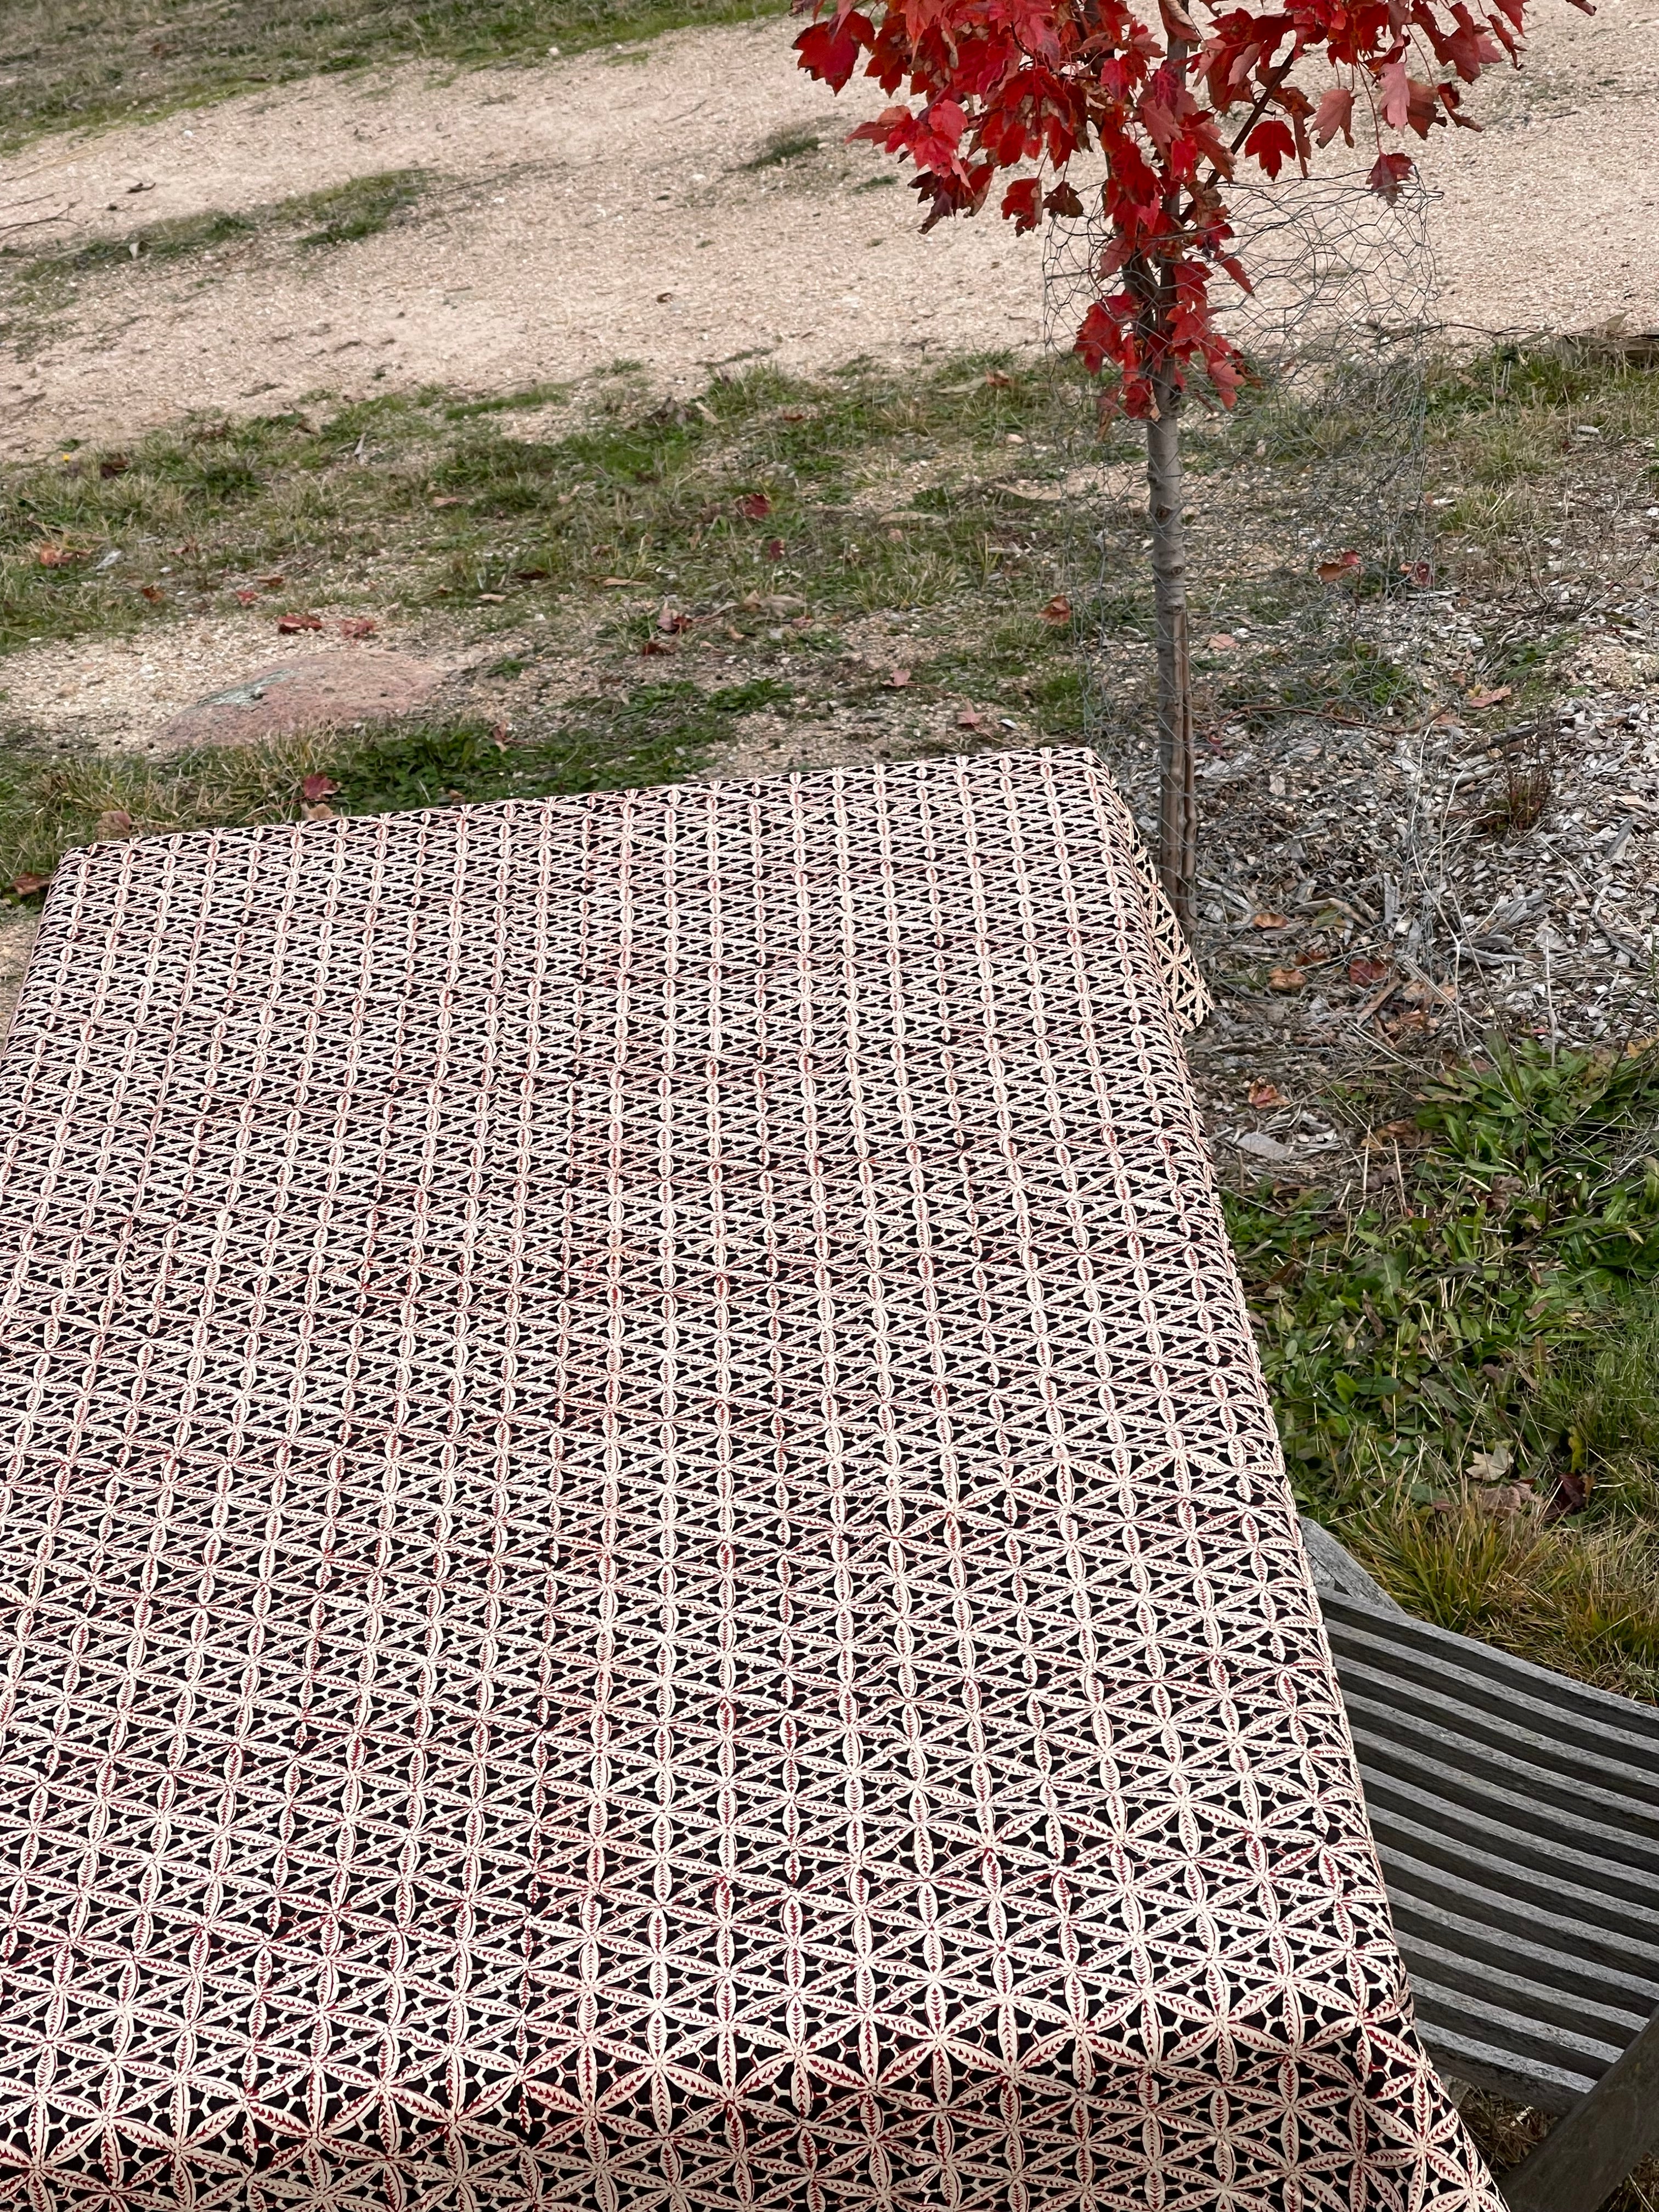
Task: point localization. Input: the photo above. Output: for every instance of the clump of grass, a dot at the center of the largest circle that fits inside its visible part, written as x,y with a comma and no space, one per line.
1463,1382
1522,799
357,208
175,239
335,216
787,144
653,734
79,62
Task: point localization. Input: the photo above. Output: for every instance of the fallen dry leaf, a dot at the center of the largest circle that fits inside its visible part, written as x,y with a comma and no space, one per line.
969,719
1221,643
1478,700
272,583
998,379
619,583
899,678
51,555
113,464
153,593
754,506
1263,1093
1268,920
660,645
1287,979
449,499
1365,972
774,549
288,624
26,886
1337,571
246,599
359,626
318,787
1058,612
318,813
1489,1466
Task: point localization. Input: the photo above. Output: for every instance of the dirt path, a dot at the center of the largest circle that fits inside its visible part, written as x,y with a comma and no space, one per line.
599,208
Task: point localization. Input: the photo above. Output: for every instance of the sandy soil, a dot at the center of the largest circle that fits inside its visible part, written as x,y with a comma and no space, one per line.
117,695
598,208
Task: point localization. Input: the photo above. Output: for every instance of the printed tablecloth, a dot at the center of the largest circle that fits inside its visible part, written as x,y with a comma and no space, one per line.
644,1561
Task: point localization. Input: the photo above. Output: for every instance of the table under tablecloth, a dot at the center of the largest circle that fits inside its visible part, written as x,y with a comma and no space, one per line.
644,1559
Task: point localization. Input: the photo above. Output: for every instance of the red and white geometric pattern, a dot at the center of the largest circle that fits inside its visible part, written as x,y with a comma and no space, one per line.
644,1565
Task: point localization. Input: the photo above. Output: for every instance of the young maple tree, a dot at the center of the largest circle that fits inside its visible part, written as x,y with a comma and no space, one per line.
998,85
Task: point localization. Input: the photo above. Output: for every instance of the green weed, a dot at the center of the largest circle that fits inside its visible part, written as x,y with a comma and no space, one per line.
1459,1364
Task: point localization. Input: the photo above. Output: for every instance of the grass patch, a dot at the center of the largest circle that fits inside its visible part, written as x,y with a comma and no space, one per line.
654,734
759,491
334,216
358,209
1539,459
68,64
788,145
1461,1363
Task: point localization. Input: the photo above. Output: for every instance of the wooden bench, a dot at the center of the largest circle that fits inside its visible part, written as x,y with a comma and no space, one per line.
1517,1816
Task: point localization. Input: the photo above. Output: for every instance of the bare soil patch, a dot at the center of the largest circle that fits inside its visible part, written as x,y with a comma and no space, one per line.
623,205
132,695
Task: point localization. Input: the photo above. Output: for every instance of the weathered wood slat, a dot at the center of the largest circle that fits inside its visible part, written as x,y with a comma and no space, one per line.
1517,1816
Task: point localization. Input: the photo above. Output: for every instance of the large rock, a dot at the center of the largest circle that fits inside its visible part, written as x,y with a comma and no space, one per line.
326,690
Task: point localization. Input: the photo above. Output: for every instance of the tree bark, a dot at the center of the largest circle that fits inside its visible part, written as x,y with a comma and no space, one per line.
1177,810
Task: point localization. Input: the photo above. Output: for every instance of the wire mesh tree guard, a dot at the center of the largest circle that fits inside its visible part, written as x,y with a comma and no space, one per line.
1304,502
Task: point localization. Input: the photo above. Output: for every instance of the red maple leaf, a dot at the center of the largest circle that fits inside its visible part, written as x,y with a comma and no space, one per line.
830,51
982,86
1271,145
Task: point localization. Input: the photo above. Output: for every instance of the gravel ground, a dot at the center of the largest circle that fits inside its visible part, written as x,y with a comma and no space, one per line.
1376,895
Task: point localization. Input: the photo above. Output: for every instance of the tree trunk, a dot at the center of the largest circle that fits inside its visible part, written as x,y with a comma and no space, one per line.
1178,808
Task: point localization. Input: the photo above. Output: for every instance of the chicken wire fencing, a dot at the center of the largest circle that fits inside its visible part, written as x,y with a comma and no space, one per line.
1304,502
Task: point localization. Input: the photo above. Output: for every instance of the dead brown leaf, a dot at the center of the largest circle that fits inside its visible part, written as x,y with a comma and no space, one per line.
1363,972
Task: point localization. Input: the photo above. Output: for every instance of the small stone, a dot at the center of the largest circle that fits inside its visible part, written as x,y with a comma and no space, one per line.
322,692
